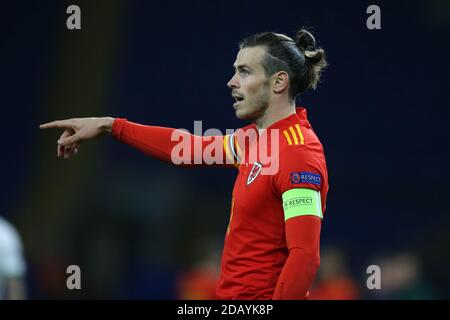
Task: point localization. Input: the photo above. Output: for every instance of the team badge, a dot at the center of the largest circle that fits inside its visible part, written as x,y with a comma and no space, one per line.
254,172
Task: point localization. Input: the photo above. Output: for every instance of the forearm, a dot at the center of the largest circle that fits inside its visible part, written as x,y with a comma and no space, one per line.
167,144
106,124
298,273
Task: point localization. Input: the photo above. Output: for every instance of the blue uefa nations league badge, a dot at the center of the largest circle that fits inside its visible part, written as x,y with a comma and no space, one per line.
305,177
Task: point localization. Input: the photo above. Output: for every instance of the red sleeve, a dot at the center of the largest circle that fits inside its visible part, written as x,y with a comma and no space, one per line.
299,271
174,145
299,169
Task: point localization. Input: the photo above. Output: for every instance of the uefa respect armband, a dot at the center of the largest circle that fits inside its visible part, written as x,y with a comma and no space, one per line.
302,202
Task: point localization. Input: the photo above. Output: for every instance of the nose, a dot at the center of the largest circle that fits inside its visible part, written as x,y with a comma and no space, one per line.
233,83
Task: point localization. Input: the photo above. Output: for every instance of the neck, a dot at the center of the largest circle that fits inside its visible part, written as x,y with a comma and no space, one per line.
275,113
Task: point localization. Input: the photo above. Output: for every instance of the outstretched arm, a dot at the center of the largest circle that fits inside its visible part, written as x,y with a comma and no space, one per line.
166,144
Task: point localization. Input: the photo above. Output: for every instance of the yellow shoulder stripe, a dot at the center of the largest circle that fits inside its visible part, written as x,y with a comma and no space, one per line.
295,135
286,134
302,140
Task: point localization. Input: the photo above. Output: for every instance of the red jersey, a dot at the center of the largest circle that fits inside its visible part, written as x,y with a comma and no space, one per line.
272,241
255,248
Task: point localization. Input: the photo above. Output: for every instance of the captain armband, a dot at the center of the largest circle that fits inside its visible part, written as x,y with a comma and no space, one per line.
302,202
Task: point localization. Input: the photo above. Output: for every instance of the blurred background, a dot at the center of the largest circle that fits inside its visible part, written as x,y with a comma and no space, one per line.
142,229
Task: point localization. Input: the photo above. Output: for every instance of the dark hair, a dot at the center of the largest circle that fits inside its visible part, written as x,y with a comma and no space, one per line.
300,58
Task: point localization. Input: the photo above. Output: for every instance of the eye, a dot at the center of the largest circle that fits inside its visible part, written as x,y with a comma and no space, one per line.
244,72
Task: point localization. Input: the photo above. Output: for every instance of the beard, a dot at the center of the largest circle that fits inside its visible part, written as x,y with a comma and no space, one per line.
254,108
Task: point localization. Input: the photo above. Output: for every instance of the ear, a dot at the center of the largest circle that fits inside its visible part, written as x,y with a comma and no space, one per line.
280,81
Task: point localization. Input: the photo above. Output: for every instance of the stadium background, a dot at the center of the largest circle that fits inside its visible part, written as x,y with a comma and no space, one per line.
143,229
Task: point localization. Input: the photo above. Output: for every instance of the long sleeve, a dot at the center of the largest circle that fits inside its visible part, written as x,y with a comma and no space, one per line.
303,241
174,145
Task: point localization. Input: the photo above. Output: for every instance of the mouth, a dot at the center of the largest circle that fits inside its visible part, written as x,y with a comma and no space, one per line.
238,99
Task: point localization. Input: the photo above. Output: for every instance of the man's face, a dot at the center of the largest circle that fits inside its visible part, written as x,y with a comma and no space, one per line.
249,84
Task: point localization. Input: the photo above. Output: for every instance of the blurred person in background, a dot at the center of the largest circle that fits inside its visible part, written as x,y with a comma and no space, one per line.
401,278
12,263
271,248
199,281
334,280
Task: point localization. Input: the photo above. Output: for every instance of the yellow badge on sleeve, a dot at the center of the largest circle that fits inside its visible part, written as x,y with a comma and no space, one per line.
302,202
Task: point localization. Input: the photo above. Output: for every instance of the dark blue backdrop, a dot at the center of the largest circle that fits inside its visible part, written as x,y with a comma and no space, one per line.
381,111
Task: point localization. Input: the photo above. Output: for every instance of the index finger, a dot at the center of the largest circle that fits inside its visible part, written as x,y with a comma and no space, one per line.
57,124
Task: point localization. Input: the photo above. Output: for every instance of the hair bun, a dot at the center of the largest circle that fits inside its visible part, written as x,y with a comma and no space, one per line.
305,40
